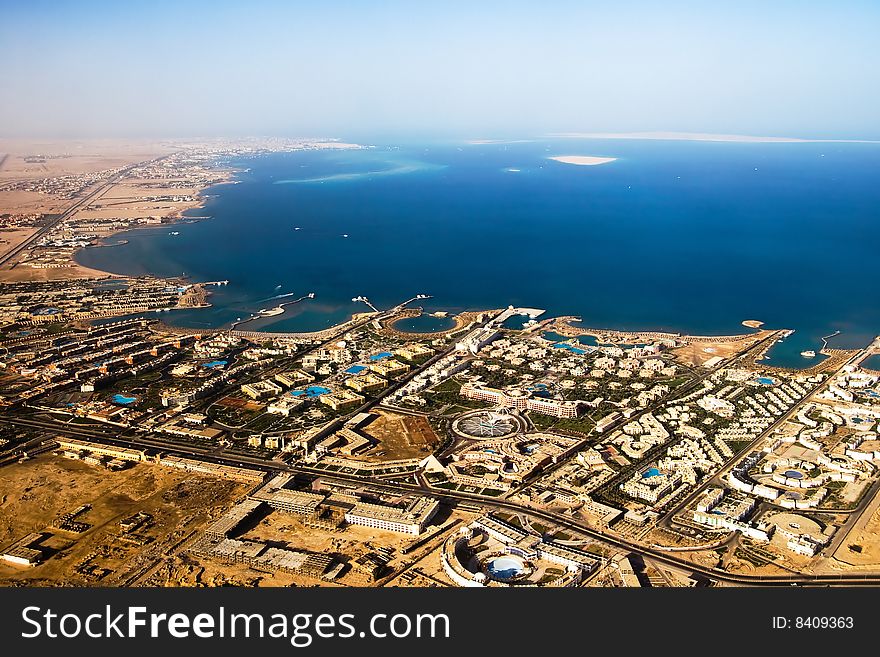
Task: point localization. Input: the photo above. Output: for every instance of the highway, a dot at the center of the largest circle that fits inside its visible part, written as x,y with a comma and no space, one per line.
139,439
78,205
651,552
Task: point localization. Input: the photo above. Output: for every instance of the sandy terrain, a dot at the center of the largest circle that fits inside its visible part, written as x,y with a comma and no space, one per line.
697,353
582,160
753,323
864,537
75,270
12,237
34,493
23,202
399,437
29,159
149,200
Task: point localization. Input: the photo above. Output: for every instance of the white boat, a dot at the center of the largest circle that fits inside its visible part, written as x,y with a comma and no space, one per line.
174,232
809,353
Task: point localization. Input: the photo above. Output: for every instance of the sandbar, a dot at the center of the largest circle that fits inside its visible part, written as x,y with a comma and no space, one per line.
582,160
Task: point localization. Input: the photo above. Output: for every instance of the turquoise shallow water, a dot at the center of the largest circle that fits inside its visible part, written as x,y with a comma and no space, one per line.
682,236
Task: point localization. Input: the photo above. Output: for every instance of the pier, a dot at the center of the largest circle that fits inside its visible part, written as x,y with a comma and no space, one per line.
366,301
237,323
826,338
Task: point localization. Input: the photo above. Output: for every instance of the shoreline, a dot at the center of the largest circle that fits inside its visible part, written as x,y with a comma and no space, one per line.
172,219
231,177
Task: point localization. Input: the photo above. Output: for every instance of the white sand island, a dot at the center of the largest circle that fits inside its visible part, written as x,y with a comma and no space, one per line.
582,160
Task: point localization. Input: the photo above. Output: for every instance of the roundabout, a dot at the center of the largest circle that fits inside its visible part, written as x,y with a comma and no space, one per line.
488,424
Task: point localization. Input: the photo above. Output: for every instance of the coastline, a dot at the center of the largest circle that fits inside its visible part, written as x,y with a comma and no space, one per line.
310,323
74,270
173,218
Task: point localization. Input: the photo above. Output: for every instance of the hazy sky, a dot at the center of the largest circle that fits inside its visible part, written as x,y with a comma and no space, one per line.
438,68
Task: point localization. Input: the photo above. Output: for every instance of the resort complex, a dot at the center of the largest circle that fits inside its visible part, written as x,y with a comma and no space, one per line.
146,440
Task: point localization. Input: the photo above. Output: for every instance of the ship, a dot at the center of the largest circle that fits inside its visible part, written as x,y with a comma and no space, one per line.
809,353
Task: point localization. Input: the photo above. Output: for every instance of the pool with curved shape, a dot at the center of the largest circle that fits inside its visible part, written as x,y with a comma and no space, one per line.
506,568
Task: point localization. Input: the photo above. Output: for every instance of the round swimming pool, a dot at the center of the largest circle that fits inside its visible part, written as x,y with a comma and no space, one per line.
794,474
506,567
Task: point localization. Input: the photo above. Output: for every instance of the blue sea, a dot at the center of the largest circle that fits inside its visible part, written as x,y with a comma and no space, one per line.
674,235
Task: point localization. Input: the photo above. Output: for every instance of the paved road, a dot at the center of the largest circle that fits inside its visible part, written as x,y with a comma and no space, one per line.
455,497
78,205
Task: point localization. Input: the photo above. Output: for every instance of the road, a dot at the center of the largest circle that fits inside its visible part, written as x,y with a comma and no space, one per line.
668,519
78,205
455,497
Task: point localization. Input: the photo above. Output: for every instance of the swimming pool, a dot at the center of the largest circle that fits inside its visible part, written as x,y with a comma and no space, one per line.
506,568
381,355
793,474
650,472
216,363
122,399
311,392
564,345
765,381
355,369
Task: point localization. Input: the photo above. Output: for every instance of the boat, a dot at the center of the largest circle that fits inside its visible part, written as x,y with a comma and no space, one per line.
809,353
174,232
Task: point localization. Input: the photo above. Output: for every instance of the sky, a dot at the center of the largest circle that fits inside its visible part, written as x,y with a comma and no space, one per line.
433,68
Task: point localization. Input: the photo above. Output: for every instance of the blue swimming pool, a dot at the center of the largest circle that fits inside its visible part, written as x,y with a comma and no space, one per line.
564,345
122,399
381,355
793,474
216,363
311,392
505,568
650,472
765,381
355,369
